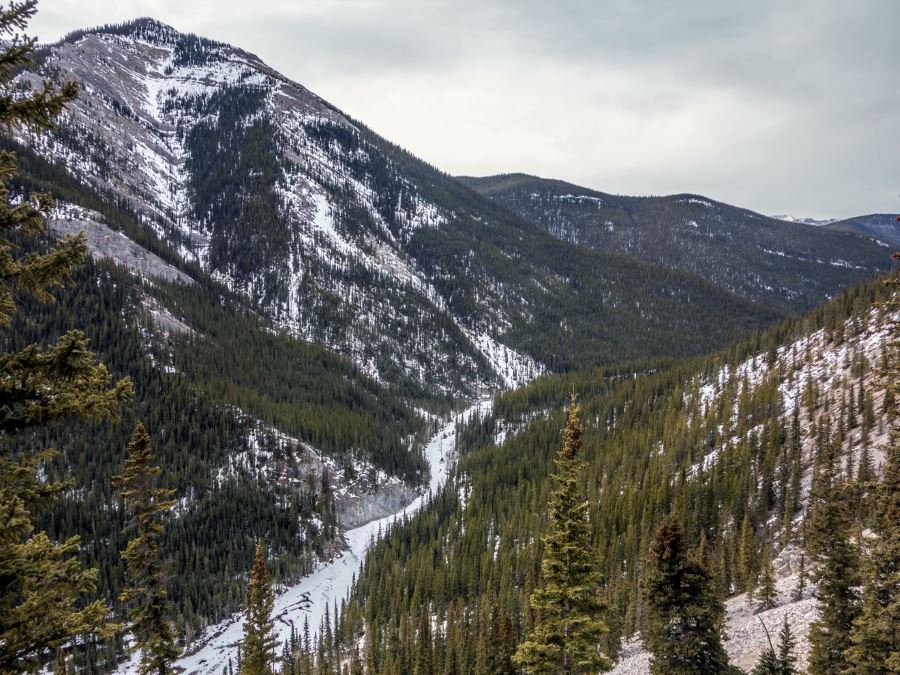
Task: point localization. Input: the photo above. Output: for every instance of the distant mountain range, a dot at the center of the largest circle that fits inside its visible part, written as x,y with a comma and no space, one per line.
787,266
806,221
882,226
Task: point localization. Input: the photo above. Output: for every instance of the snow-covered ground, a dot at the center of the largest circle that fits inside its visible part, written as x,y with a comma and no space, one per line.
332,580
746,626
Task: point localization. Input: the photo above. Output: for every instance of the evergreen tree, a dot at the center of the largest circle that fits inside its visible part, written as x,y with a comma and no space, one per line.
765,589
797,593
149,609
837,571
747,560
685,616
876,632
787,659
259,631
44,589
569,624
781,661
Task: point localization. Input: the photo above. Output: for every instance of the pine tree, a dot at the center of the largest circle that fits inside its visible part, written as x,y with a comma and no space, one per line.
767,664
569,621
747,555
837,571
797,594
44,589
149,609
765,589
781,661
685,616
787,659
875,635
259,630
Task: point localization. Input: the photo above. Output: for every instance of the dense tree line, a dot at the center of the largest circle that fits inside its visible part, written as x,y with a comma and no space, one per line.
476,551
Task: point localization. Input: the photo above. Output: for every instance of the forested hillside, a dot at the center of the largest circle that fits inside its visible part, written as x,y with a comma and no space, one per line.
789,266
341,237
229,346
735,444
883,226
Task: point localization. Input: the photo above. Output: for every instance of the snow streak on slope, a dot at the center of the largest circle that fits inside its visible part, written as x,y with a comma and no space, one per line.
811,360
341,274
332,581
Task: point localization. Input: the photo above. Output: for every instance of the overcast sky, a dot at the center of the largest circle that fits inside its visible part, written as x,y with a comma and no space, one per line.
782,107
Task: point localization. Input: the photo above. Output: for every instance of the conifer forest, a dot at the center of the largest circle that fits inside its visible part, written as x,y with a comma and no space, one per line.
278,396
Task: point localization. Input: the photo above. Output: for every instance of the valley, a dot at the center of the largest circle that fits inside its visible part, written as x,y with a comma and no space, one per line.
277,395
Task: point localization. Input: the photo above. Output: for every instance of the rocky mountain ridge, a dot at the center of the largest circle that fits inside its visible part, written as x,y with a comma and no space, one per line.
792,266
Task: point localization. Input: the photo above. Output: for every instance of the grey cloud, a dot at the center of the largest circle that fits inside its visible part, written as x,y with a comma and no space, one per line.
781,107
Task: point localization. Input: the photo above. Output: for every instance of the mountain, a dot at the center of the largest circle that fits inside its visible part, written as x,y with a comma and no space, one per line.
791,267
818,222
342,238
732,443
881,226
298,302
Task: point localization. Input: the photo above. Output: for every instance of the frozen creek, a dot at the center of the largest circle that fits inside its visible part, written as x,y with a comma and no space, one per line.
331,581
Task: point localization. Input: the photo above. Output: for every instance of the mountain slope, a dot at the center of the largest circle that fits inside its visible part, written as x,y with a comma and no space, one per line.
791,267
341,237
882,226
731,443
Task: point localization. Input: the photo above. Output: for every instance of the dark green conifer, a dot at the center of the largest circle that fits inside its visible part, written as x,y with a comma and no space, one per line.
875,636
837,571
765,588
787,645
149,610
569,624
259,631
781,661
685,615
44,590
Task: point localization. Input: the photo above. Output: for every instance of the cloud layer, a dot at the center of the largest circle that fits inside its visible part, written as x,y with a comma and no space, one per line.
779,107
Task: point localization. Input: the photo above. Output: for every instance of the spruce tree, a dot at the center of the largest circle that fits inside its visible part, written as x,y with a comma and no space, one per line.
149,609
875,635
765,589
781,661
685,616
767,664
258,647
747,555
569,623
837,571
44,590
787,645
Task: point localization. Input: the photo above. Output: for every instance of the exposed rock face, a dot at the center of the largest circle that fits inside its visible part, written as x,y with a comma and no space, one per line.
104,242
359,508
272,191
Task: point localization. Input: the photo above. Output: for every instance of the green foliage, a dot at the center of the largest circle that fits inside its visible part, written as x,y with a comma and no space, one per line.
829,534
685,616
568,625
45,592
149,610
782,661
765,588
480,543
875,640
258,647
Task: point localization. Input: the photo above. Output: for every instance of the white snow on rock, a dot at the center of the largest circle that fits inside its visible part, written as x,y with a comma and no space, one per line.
745,632
333,579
